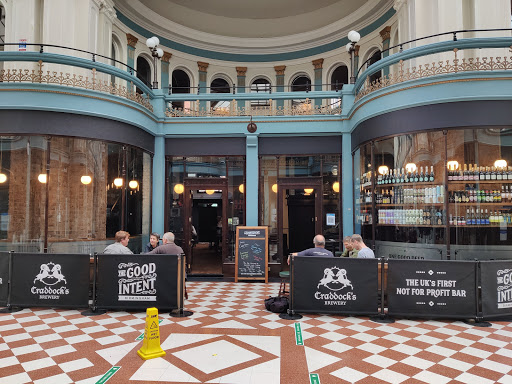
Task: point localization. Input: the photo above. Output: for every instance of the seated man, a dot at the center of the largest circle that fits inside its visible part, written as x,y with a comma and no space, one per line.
364,252
319,249
349,251
168,248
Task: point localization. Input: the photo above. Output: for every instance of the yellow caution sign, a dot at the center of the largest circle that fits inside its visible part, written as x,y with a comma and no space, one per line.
151,344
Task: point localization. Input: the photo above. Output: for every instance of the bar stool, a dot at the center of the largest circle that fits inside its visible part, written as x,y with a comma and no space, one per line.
285,278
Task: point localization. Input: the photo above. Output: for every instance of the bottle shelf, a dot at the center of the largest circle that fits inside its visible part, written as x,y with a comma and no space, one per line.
412,205
479,204
463,182
509,225
417,184
412,225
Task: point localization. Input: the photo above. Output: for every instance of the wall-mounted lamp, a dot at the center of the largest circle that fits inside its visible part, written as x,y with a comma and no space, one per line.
179,189
309,191
500,164
210,191
336,186
86,179
383,169
133,184
274,188
118,182
410,167
42,178
241,188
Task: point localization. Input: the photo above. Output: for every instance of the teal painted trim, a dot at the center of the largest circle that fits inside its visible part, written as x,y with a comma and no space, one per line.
275,57
424,50
252,169
279,95
347,188
157,224
495,85
75,62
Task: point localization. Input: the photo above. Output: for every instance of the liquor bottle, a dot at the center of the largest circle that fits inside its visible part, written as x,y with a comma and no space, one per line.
450,221
450,174
475,172
465,175
416,176
431,177
486,217
422,176
470,172
509,173
487,173
402,176
493,173
499,173
482,173
468,217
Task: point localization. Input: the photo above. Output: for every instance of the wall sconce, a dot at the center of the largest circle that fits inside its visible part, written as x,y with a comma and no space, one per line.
410,167
452,165
133,184
274,188
336,186
383,169
3,178
179,189
118,182
241,188
86,179
309,191
42,178
210,191
500,164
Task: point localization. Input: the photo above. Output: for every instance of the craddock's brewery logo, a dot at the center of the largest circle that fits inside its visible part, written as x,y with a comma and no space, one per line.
50,283
504,287
137,282
330,287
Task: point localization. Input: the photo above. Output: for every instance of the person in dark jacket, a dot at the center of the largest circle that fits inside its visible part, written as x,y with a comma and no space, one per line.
153,242
168,247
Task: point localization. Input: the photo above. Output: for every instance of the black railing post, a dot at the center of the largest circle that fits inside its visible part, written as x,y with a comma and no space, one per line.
41,49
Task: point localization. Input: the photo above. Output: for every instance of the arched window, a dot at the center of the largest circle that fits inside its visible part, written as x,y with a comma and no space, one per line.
300,84
219,85
373,59
143,72
339,77
180,83
260,86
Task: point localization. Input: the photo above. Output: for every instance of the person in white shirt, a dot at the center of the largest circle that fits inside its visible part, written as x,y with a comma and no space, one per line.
364,252
121,244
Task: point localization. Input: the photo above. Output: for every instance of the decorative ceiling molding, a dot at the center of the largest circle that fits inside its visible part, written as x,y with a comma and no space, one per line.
147,19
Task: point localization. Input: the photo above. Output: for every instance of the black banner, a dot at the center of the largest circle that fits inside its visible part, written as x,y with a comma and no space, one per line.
137,281
426,288
251,253
4,277
496,280
335,285
50,280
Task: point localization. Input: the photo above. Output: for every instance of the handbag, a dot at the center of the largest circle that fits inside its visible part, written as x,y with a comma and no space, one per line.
277,304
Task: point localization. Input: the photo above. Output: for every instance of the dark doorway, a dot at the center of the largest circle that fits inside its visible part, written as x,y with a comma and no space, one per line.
205,207
301,221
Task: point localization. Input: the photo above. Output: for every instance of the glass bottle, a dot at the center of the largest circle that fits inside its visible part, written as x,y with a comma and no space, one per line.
431,177
487,173
482,173
493,173
422,176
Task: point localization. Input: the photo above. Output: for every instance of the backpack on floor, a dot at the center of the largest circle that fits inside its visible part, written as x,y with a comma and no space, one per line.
278,304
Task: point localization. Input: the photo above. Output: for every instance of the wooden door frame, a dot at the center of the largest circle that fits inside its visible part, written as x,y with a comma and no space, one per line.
298,183
217,183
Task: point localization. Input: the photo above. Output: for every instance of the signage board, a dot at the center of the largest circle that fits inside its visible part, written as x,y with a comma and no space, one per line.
426,288
50,280
496,281
137,281
251,254
4,277
334,285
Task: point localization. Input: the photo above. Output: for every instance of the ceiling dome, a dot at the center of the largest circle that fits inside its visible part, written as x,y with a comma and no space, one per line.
263,26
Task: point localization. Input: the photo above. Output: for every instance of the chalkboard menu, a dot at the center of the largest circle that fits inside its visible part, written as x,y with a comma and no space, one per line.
251,261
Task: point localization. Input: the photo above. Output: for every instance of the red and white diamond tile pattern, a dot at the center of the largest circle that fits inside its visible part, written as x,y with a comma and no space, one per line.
231,338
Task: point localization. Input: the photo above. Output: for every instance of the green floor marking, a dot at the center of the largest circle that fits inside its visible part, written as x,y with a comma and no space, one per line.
108,375
314,378
141,336
298,335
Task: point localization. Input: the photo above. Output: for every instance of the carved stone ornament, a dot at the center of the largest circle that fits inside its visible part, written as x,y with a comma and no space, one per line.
252,127
318,63
240,71
202,66
132,40
280,69
166,57
386,33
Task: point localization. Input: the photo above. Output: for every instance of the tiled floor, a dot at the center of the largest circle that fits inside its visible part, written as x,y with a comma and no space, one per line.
232,339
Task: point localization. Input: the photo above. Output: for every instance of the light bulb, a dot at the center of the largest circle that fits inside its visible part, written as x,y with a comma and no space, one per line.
86,179
179,189
453,165
336,186
133,184
500,163
309,191
42,178
410,167
274,188
3,178
383,169
210,191
241,188
118,182
354,36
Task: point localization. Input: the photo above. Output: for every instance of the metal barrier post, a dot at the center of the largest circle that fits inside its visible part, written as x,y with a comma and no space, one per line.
180,312
479,320
382,317
9,308
290,314
93,309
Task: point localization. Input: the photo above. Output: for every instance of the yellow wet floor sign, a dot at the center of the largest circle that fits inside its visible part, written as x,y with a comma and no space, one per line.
151,343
